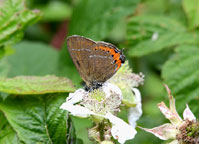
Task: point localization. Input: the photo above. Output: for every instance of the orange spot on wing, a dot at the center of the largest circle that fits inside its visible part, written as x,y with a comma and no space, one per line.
119,63
116,56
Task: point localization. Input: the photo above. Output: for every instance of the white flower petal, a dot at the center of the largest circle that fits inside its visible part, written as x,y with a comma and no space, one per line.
135,112
109,88
164,132
172,116
120,130
76,110
187,114
76,96
174,142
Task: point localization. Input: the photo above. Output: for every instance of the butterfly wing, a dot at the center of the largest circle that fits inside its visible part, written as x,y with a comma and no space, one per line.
80,49
96,62
104,65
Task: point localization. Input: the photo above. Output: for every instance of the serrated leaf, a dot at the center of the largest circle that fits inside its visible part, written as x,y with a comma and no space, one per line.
95,19
9,137
149,34
191,8
142,27
35,85
166,40
181,74
7,134
37,119
14,18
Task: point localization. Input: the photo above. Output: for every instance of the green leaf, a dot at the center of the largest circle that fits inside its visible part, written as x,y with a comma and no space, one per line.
191,9
35,85
55,11
142,27
3,121
128,96
37,119
95,19
4,68
7,134
70,131
181,74
124,80
14,18
169,33
81,128
33,58
2,52
164,41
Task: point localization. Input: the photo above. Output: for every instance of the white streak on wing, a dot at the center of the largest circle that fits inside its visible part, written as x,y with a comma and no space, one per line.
81,49
98,56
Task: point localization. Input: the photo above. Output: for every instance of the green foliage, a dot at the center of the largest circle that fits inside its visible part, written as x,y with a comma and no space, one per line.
192,10
2,51
80,126
158,28
14,18
9,137
55,11
35,85
7,134
169,33
181,73
95,19
36,118
32,58
161,34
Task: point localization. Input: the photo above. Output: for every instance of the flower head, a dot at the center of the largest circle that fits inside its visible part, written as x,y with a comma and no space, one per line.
178,129
103,104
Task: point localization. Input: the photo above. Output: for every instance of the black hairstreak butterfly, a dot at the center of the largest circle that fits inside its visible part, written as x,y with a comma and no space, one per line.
96,62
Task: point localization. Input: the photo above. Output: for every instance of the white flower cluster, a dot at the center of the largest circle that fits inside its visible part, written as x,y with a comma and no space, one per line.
120,130
103,104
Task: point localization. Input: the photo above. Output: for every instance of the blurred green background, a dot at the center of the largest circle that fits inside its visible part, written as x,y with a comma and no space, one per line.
160,37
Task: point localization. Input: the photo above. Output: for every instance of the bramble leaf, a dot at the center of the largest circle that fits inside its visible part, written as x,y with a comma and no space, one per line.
36,119
181,74
32,58
95,19
191,8
55,11
14,18
7,134
148,34
35,85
